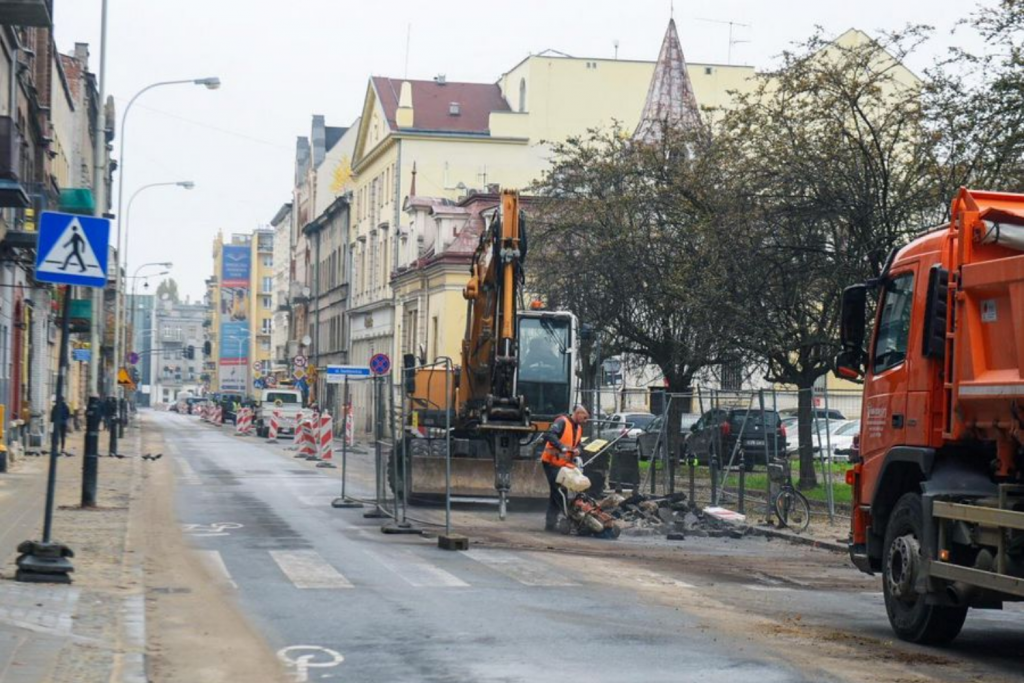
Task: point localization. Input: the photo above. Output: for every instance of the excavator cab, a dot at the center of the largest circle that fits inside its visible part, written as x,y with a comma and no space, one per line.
547,363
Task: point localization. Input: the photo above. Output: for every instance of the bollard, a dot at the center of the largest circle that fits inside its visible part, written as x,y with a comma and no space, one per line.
743,480
713,465
90,463
122,416
111,408
692,462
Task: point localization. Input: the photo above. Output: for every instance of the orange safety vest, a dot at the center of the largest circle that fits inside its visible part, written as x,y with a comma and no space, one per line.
570,439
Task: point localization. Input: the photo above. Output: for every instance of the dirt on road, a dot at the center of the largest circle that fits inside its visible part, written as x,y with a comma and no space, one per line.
195,633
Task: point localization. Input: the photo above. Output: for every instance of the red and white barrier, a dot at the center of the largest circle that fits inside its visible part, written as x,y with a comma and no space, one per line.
349,429
275,424
243,422
326,445
218,416
307,445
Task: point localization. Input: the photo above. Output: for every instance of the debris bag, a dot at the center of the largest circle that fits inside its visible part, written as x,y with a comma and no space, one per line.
572,479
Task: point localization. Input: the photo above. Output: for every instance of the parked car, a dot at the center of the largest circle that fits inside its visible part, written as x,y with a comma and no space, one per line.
817,413
842,439
626,425
648,438
191,403
819,428
718,431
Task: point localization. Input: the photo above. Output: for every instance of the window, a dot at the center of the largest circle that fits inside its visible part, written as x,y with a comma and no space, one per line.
265,345
265,326
708,71
894,323
268,261
268,285
268,303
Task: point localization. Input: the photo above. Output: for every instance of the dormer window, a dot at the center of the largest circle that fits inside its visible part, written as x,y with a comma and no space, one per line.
453,109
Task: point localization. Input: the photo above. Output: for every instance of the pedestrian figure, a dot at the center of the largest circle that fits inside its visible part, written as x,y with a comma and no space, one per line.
76,243
59,416
561,449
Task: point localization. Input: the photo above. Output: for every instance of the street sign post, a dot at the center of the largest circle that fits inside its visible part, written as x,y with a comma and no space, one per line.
336,374
71,250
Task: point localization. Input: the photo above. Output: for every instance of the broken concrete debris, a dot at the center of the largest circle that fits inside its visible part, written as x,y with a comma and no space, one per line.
672,515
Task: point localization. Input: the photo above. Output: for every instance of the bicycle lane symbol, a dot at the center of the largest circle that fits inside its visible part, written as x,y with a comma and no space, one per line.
208,530
302,658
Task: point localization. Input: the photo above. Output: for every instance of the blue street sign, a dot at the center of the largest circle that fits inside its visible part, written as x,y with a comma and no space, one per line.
81,355
72,250
380,364
337,372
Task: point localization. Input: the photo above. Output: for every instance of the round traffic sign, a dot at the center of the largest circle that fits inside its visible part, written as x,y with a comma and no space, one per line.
380,364
133,358
299,361
257,365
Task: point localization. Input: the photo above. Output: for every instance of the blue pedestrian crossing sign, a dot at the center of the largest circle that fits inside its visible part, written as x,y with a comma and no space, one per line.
72,250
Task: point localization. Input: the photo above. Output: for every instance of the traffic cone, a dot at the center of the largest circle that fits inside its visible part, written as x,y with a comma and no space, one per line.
243,422
326,440
297,435
307,448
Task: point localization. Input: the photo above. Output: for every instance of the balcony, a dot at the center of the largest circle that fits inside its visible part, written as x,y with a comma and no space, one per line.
26,12
12,193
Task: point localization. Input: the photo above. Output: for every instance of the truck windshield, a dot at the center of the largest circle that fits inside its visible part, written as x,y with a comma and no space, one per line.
544,364
894,323
282,397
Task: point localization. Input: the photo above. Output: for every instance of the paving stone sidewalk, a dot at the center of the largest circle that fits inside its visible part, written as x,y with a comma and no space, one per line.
92,630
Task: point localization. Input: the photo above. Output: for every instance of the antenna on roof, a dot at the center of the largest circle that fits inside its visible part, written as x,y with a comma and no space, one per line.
616,44
408,39
731,40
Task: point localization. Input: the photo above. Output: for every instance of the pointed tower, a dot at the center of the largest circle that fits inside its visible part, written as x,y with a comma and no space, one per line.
670,99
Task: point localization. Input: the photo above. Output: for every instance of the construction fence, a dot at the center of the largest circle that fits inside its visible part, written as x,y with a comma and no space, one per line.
727,472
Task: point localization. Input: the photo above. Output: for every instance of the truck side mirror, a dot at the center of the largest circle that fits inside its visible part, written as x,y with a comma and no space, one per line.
936,311
849,364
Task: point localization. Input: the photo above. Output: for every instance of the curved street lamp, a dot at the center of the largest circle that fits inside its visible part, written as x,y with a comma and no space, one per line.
211,83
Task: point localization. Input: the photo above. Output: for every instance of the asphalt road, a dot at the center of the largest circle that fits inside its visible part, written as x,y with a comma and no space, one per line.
339,600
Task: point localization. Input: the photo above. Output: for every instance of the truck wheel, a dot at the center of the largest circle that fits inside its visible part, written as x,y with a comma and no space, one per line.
910,616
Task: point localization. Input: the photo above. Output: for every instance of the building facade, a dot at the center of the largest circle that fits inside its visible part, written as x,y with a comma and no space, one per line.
177,365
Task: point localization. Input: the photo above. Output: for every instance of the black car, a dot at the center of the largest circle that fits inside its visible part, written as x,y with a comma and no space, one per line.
718,431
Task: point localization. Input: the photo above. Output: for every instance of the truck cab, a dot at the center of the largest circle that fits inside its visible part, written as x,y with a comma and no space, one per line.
938,476
288,404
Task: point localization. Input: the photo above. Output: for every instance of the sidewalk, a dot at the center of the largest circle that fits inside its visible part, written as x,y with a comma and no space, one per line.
92,630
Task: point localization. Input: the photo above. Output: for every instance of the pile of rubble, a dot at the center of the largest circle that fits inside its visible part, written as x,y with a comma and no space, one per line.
672,515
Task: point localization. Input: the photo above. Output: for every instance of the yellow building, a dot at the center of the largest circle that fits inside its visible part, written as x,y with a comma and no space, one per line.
261,304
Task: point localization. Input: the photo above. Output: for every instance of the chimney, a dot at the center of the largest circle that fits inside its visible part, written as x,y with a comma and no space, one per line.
441,79
404,116
81,54
318,139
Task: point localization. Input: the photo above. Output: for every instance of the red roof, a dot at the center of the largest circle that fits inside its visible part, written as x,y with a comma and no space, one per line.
431,102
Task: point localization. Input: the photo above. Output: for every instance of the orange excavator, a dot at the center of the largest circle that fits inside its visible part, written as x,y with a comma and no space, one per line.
517,373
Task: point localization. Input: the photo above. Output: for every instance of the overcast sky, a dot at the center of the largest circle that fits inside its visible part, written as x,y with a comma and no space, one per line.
281,62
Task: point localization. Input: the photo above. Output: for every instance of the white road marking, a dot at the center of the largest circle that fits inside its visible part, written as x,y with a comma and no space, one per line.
418,572
307,569
302,658
207,530
529,572
188,475
214,564
767,589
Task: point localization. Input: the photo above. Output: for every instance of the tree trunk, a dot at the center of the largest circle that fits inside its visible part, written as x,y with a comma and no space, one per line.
805,404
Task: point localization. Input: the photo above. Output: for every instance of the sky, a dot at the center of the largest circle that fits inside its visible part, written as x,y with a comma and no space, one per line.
282,62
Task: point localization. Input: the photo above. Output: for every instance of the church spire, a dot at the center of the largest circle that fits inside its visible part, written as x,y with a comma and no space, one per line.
670,100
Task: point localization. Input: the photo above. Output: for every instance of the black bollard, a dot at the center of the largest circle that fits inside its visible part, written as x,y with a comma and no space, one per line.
743,481
112,421
713,465
90,463
122,416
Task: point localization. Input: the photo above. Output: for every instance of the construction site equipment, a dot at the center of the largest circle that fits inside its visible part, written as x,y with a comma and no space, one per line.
938,476
275,422
517,373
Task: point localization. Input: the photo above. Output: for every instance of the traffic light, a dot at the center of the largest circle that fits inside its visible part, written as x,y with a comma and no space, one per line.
190,352
207,348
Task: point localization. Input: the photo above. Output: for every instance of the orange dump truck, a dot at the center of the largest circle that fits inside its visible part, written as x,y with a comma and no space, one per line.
938,479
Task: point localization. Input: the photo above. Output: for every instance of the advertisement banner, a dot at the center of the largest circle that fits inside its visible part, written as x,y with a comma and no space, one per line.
236,266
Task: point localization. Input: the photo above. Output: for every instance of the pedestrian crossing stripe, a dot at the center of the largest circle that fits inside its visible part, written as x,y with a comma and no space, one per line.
72,249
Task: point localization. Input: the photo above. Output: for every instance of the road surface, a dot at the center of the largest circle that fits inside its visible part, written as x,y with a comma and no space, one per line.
336,599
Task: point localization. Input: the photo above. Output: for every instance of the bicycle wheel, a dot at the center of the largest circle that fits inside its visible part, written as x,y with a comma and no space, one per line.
792,509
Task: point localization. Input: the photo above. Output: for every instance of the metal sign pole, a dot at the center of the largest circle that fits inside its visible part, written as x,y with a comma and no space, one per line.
378,433
45,561
399,449
343,500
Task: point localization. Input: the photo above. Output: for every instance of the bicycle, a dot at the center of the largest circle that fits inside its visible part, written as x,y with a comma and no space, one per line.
791,507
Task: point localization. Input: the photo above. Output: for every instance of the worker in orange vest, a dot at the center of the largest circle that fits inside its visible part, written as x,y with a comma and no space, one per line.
561,449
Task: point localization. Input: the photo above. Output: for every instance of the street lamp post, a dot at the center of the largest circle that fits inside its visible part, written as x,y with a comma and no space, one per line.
211,83
131,305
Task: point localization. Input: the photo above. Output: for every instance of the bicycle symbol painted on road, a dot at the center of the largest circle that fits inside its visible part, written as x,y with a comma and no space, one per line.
208,530
302,658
